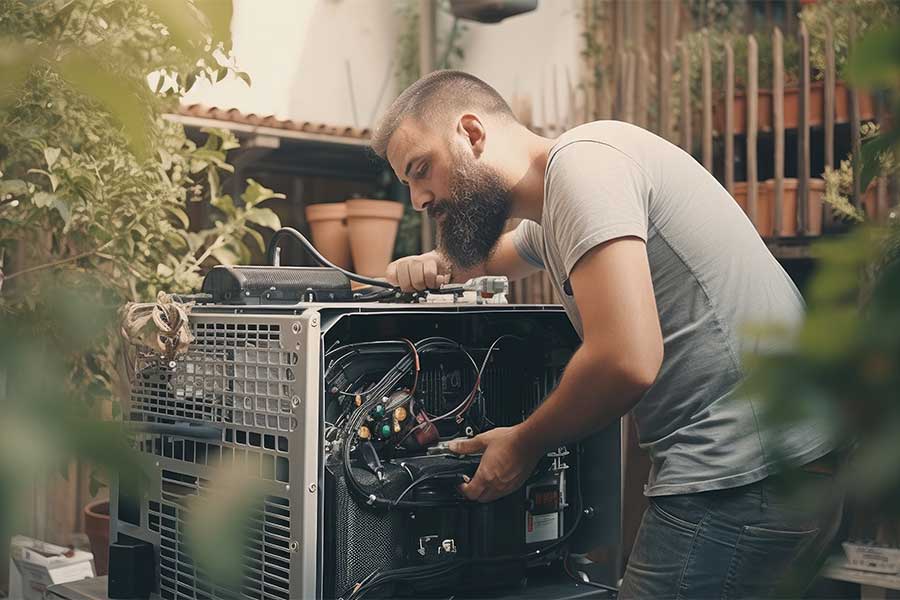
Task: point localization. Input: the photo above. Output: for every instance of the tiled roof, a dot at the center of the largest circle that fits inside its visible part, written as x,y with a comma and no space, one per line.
235,116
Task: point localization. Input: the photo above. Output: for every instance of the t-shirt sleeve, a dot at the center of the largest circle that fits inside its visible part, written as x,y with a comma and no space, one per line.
528,240
595,193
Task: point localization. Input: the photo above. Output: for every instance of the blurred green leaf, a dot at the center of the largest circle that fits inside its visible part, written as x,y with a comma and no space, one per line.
43,199
16,187
875,61
265,217
243,77
118,97
256,193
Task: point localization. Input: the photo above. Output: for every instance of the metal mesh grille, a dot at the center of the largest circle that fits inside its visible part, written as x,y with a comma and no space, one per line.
234,373
266,556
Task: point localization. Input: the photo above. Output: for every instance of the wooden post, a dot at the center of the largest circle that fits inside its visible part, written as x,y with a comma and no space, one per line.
882,206
685,99
643,90
427,17
778,124
855,141
803,218
729,118
630,80
664,79
707,105
829,95
752,124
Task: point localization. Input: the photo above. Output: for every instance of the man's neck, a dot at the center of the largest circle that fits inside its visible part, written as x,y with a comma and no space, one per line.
528,191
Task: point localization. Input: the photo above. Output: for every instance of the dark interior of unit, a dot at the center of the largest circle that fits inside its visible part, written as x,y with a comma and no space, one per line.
520,372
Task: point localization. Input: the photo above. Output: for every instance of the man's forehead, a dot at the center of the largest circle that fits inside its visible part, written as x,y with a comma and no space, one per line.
409,138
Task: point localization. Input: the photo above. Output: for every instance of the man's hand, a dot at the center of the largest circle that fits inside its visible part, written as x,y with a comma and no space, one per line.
417,273
507,462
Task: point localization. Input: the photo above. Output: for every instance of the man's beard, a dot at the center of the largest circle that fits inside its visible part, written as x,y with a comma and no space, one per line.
472,220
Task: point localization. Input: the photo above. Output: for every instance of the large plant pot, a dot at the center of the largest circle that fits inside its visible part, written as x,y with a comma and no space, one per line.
790,203
330,233
763,221
765,117
373,230
96,526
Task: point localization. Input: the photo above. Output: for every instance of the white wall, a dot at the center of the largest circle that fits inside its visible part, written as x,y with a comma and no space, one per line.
296,52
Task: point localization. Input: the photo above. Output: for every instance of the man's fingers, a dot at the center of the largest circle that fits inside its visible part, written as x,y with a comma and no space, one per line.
417,275
403,279
430,274
472,446
391,273
474,489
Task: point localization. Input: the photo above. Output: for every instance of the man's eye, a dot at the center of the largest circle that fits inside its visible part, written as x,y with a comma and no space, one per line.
422,172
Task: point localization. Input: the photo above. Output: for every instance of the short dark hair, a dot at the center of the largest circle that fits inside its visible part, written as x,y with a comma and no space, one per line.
435,95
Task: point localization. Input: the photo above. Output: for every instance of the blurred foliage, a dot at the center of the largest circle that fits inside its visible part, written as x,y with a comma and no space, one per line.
449,51
95,186
844,365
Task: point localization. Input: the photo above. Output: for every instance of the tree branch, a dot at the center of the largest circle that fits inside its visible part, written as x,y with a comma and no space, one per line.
57,263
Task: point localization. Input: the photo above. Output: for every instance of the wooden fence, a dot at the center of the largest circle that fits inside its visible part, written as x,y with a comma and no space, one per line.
736,129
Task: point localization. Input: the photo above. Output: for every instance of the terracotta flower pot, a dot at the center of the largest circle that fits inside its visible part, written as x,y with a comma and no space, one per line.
763,221
328,224
790,203
765,118
373,229
96,526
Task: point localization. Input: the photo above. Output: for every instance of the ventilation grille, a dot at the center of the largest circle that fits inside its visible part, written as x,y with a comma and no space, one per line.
238,455
233,373
267,556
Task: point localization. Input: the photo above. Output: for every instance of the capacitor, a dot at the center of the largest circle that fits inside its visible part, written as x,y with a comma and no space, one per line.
385,430
364,433
358,400
378,411
400,414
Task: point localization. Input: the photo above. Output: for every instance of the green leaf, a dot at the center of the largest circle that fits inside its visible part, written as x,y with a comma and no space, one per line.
256,193
221,73
182,216
163,270
264,217
870,165
43,199
226,256
225,204
260,242
16,187
243,76
219,14
875,61
51,155
115,93
64,211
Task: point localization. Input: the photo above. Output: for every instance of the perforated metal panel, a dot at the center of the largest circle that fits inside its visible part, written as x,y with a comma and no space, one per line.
255,379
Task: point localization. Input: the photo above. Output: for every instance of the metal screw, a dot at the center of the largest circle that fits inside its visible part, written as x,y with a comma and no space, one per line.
295,327
287,488
295,401
314,322
295,545
469,431
589,512
312,488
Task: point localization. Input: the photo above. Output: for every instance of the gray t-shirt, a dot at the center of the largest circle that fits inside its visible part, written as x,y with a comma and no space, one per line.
712,278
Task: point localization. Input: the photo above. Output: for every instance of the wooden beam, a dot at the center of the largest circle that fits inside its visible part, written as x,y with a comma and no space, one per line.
729,118
855,139
752,125
685,99
803,167
829,95
778,126
707,106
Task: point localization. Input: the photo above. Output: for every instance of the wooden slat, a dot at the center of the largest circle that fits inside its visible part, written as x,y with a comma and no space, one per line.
729,117
685,99
665,96
664,73
882,204
707,106
752,125
829,95
803,218
855,141
621,84
778,124
643,90
637,24
630,81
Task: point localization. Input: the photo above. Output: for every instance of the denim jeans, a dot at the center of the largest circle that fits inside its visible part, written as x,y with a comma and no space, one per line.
746,542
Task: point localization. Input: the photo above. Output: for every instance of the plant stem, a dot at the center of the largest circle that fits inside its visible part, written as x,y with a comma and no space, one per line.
57,263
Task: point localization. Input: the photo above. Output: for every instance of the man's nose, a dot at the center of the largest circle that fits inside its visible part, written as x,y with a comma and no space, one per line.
421,199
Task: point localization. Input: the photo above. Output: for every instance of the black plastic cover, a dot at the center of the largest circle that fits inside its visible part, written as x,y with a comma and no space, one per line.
229,284
132,569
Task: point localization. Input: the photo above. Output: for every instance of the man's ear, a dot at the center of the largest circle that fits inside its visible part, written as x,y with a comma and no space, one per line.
471,129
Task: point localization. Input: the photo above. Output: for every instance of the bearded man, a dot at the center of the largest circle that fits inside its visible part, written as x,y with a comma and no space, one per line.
659,272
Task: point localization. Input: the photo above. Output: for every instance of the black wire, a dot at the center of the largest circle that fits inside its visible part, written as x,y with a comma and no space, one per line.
290,231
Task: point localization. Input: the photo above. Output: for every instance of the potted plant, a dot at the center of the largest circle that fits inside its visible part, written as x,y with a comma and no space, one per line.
373,224
330,233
